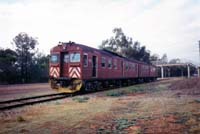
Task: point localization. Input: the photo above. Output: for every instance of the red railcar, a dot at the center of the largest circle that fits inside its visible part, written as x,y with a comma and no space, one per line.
74,67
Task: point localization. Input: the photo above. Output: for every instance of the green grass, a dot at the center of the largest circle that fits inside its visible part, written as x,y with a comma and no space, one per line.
125,91
120,125
81,99
143,88
115,93
123,123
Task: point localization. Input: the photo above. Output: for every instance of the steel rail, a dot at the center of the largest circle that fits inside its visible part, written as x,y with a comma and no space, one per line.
20,102
30,98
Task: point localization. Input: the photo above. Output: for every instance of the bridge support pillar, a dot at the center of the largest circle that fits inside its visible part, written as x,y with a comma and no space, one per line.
188,70
162,72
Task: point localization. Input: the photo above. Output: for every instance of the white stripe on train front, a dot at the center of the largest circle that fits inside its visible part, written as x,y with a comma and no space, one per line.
54,71
74,72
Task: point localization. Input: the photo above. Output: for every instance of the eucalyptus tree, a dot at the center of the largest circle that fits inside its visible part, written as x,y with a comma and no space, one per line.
25,49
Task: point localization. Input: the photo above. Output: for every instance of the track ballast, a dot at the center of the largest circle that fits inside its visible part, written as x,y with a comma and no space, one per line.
15,103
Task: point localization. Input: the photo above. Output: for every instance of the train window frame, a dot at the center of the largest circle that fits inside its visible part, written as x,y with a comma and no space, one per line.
110,63
66,58
85,65
57,58
103,62
75,58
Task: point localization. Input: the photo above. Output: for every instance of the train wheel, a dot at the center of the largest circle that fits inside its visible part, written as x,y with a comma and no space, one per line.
120,83
99,86
88,86
53,84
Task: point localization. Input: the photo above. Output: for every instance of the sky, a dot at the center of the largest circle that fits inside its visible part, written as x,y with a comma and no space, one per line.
163,26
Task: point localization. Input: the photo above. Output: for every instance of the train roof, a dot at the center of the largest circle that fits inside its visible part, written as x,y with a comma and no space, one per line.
103,51
91,49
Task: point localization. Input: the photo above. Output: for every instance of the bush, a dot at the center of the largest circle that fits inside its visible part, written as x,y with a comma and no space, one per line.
20,119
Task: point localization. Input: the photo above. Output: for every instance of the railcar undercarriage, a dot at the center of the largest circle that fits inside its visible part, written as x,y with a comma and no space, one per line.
66,85
77,85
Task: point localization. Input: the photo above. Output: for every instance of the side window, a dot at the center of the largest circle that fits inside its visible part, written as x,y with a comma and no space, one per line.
126,65
66,58
85,60
103,62
133,66
110,63
115,64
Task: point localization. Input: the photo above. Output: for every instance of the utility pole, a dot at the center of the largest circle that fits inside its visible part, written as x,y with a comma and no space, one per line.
199,61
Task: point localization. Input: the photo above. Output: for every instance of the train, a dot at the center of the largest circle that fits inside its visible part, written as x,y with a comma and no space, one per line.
75,67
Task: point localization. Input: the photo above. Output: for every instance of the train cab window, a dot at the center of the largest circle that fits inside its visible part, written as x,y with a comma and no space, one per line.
110,63
54,58
103,62
75,57
115,64
66,58
85,60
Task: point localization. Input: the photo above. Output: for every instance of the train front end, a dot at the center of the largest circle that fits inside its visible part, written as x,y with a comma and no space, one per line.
65,68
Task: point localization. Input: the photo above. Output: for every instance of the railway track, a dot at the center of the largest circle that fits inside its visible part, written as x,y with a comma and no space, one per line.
15,103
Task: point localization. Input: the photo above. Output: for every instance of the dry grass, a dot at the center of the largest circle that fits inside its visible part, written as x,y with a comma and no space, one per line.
189,86
146,108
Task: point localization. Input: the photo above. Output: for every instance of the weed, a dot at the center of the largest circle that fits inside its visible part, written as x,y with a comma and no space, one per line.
115,93
161,87
103,131
57,103
124,123
136,89
20,119
197,100
195,129
81,99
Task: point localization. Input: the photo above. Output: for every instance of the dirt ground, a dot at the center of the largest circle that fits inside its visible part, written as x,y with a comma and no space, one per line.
8,92
164,107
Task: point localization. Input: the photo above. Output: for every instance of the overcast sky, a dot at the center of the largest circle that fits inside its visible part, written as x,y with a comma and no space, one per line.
163,26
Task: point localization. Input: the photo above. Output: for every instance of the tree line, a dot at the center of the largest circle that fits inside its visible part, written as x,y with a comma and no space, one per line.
24,64
126,47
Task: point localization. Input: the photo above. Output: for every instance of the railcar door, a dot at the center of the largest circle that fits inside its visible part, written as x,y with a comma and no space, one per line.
94,66
64,64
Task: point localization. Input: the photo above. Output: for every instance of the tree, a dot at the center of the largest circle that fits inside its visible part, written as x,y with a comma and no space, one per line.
40,68
119,43
164,59
8,70
175,61
25,46
124,46
154,59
